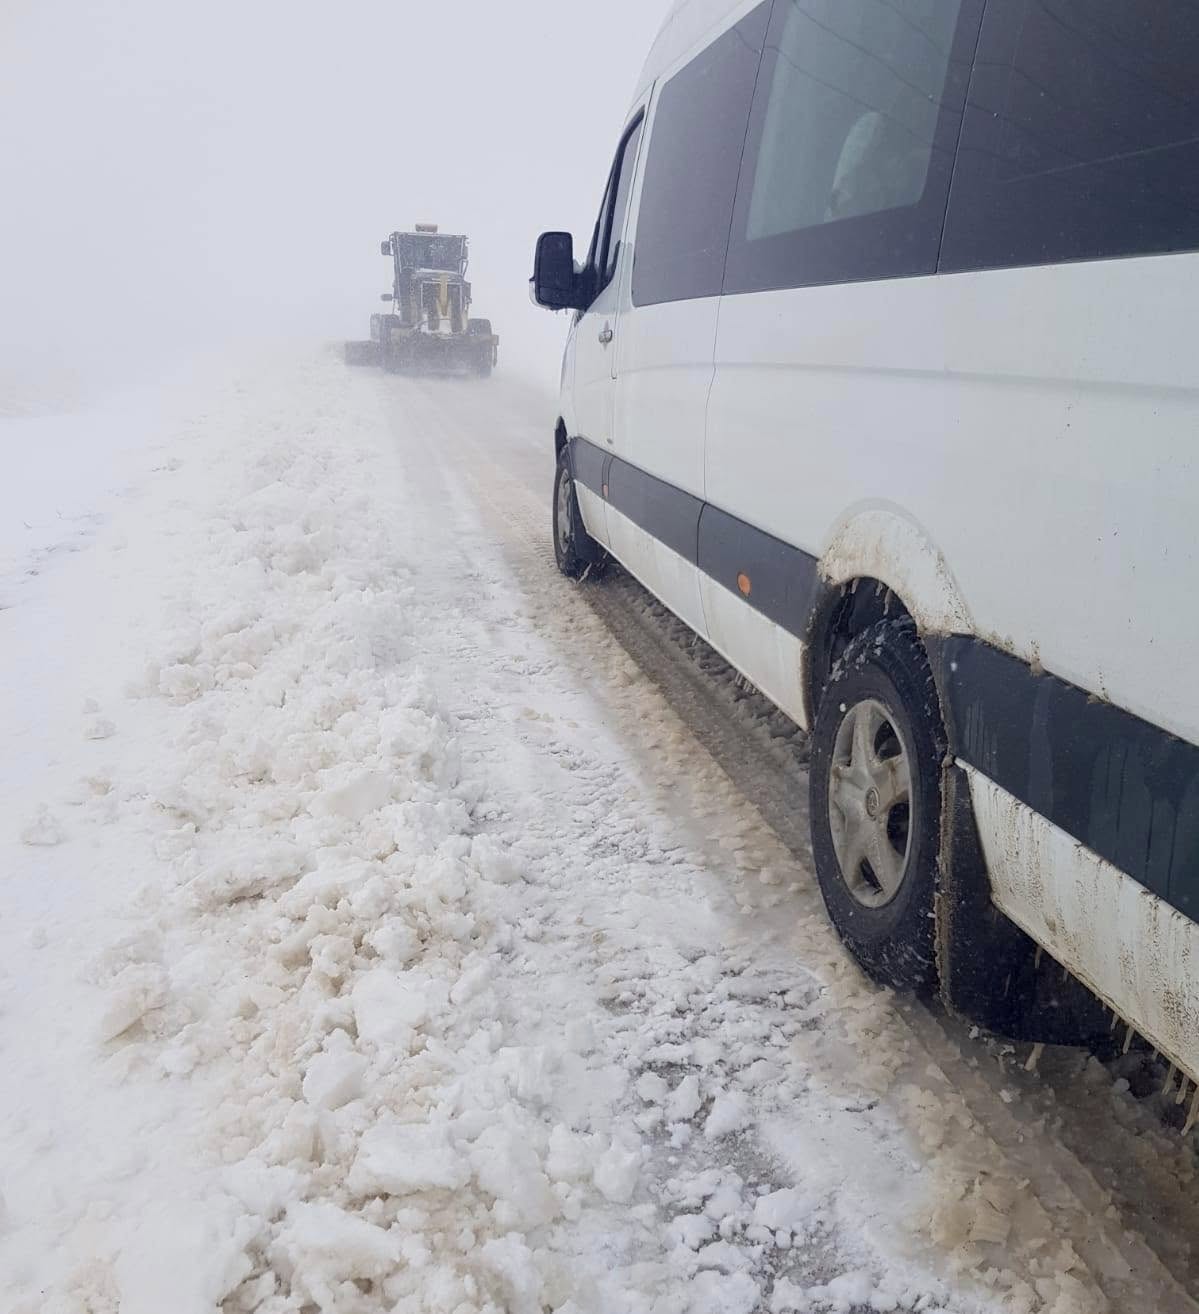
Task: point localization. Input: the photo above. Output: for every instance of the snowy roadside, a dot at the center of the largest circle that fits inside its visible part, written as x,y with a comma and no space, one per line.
354,960
59,471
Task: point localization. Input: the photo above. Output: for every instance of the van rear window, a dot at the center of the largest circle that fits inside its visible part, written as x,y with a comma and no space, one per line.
696,142
1081,135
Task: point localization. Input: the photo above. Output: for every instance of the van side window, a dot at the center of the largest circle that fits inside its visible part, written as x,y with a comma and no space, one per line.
695,146
1081,136
626,165
603,224
851,141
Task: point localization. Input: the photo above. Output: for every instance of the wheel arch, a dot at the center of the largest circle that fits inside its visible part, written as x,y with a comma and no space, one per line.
878,563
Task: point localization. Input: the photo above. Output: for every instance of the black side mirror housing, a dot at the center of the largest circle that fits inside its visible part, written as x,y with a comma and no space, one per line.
385,247
388,296
557,284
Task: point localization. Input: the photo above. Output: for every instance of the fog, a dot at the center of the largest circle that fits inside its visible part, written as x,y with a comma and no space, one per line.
182,176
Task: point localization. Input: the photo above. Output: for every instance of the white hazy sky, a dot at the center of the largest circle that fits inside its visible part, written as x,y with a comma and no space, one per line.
177,173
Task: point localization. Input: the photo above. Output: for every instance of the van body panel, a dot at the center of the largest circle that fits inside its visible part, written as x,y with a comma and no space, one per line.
1127,945
878,540
594,513
594,388
664,375
768,655
591,502
669,576
687,27
1011,431
1121,785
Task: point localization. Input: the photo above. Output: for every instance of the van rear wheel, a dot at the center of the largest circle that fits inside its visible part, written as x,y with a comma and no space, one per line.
878,746
574,549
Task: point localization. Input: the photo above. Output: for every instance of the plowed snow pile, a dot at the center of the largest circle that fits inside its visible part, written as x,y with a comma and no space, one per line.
340,978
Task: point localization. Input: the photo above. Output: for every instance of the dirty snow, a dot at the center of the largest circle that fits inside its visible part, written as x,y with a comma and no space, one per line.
365,948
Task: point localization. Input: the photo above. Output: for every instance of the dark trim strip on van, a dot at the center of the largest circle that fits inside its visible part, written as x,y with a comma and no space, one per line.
588,464
772,576
661,509
1125,788
781,579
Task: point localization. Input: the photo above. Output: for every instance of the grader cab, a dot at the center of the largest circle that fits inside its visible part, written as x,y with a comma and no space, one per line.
430,328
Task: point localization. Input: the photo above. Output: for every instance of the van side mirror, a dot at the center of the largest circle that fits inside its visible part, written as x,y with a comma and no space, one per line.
385,247
388,296
557,285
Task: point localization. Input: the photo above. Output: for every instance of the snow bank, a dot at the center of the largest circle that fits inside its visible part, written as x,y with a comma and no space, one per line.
335,925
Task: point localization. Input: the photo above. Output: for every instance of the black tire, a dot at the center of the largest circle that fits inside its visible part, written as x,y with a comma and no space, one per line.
484,364
575,550
479,328
882,688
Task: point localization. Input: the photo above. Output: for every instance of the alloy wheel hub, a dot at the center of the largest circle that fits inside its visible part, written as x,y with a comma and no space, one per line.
870,803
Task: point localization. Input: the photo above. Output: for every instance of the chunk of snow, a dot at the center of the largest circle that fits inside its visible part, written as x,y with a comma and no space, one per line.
327,1240
333,1080
691,1230
787,1210
570,1157
356,798
395,942
729,1113
617,1172
185,1258
685,1101
136,991
759,1073
472,982
390,1006
508,1168
720,1293
580,1035
263,1189
249,876
788,1298
98,728
510,1260
725,1200
529,1070
652,1088
42,830
400,1158
184,683
850,1291
724,1256
494,863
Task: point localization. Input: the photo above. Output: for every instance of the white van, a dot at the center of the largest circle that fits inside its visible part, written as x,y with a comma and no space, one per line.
884,377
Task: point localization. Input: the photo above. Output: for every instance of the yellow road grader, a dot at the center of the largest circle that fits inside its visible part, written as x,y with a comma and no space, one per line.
429,329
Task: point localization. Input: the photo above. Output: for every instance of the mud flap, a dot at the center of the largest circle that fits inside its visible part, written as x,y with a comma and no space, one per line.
990,972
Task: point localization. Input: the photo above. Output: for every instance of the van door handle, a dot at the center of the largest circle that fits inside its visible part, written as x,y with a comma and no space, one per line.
607,335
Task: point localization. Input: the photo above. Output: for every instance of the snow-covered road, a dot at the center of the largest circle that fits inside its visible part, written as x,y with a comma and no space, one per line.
391,925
